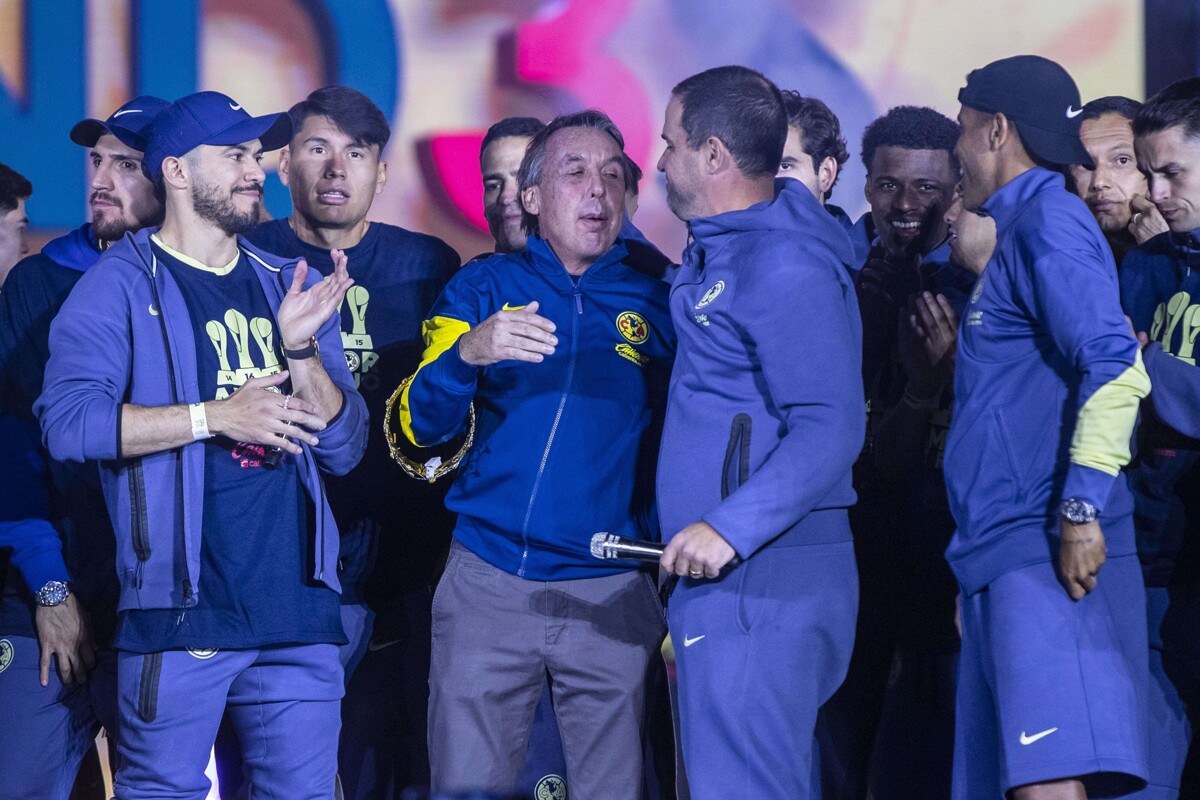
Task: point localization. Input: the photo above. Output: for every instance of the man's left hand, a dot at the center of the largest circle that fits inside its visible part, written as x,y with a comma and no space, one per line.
304,311
1081,553
697,551
63,634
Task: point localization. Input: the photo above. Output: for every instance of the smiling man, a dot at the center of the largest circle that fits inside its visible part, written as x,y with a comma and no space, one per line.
199,371
334,166
500,156
53,724
564,351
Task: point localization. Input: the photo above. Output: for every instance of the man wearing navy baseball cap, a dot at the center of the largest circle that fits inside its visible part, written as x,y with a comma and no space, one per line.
208,378
1053,668
56,610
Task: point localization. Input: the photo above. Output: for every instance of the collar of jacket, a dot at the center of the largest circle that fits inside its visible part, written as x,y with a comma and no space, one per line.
543,258
1007,201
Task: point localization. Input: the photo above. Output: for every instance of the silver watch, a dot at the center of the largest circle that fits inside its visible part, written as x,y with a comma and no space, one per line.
1077,511
53,593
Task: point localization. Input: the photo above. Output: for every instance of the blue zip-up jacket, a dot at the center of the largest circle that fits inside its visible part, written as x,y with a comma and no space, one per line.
1046,386
1160,291
765,416
124,336
564,448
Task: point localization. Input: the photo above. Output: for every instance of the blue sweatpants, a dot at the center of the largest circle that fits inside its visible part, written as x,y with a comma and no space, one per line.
758,650
284,703
1052,688
46,731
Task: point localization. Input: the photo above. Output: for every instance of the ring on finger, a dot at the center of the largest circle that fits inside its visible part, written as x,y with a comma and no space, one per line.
695,573
1137,217
287,398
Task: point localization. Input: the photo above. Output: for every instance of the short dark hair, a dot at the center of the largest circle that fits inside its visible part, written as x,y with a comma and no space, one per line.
1178,104
911,128
820,129
740,107
351,110
1126,107
14,187
530,173
633,175
510,126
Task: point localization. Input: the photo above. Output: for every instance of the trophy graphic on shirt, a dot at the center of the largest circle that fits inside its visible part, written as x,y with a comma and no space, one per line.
357,344
238,331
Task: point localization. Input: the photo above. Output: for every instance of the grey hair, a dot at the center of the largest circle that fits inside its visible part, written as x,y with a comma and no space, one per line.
534,162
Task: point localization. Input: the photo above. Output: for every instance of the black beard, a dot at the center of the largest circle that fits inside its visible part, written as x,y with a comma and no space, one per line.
209,205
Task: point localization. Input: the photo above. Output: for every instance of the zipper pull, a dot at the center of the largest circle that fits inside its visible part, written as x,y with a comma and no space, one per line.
578,302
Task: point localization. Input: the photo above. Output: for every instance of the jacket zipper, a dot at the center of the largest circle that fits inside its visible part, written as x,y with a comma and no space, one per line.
577,298
188,589
137,518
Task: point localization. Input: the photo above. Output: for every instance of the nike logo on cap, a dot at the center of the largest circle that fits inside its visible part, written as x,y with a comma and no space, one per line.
688,642
127,111
1072,113
235,108
1027,740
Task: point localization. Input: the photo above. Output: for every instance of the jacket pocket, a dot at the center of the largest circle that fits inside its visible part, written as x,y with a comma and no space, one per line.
147,706
736,468
139,527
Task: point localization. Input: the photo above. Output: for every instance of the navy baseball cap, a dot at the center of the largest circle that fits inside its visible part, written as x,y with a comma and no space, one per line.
1040,96
130,123
210,118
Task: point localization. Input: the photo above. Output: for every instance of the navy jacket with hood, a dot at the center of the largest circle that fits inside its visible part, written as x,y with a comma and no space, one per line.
765,413
124,337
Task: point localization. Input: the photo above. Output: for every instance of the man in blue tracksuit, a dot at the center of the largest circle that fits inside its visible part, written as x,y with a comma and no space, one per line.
1160,281
1053,668
53,727
563,352
208,379
764,422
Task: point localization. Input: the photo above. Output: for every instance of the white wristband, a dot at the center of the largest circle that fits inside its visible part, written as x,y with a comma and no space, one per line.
199,422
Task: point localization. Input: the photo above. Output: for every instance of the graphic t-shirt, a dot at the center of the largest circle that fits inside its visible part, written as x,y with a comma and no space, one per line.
394,529
256,554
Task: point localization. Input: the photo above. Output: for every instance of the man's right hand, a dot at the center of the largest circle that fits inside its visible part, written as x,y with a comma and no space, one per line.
517,335
63,633
256,415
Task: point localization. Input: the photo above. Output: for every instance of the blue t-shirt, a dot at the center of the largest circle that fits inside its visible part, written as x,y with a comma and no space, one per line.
395,530
255,556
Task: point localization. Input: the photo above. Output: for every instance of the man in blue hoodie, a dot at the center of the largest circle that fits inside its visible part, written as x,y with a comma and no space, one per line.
1053,668
53,725
764,421
1159,291
199,370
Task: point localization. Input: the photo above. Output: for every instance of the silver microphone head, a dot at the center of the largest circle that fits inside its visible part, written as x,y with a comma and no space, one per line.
598,541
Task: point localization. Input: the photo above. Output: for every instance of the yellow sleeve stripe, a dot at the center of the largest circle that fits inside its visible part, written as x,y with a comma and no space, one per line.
1105,423
440,334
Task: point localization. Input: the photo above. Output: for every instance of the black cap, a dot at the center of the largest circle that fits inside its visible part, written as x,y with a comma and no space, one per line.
1040,96
130,123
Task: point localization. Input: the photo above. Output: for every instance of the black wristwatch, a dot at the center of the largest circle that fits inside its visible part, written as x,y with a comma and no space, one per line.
312,349
54,593
1077,511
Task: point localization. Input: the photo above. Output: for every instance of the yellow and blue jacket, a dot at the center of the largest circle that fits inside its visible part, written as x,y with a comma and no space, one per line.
1046,386
563,448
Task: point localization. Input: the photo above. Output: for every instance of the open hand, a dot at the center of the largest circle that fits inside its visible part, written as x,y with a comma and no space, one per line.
517,335
304,311
258,415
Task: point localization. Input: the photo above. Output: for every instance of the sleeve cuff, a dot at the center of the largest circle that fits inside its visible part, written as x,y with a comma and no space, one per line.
1088,484
459,375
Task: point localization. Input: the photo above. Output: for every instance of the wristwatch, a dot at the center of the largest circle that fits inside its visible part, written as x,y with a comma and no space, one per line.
312,349
1077,511
53,593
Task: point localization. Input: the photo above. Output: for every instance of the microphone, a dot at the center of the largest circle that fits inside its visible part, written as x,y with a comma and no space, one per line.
610,545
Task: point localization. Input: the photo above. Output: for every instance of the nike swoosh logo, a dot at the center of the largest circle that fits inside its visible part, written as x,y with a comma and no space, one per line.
689,642
1072,113
235,108
372,647
128,111
1031,739
507,307
153,310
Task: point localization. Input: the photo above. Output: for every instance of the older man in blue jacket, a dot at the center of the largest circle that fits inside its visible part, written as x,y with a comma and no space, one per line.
199,371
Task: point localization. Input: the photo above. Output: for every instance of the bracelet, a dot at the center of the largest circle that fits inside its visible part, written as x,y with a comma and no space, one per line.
918,403
199,422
